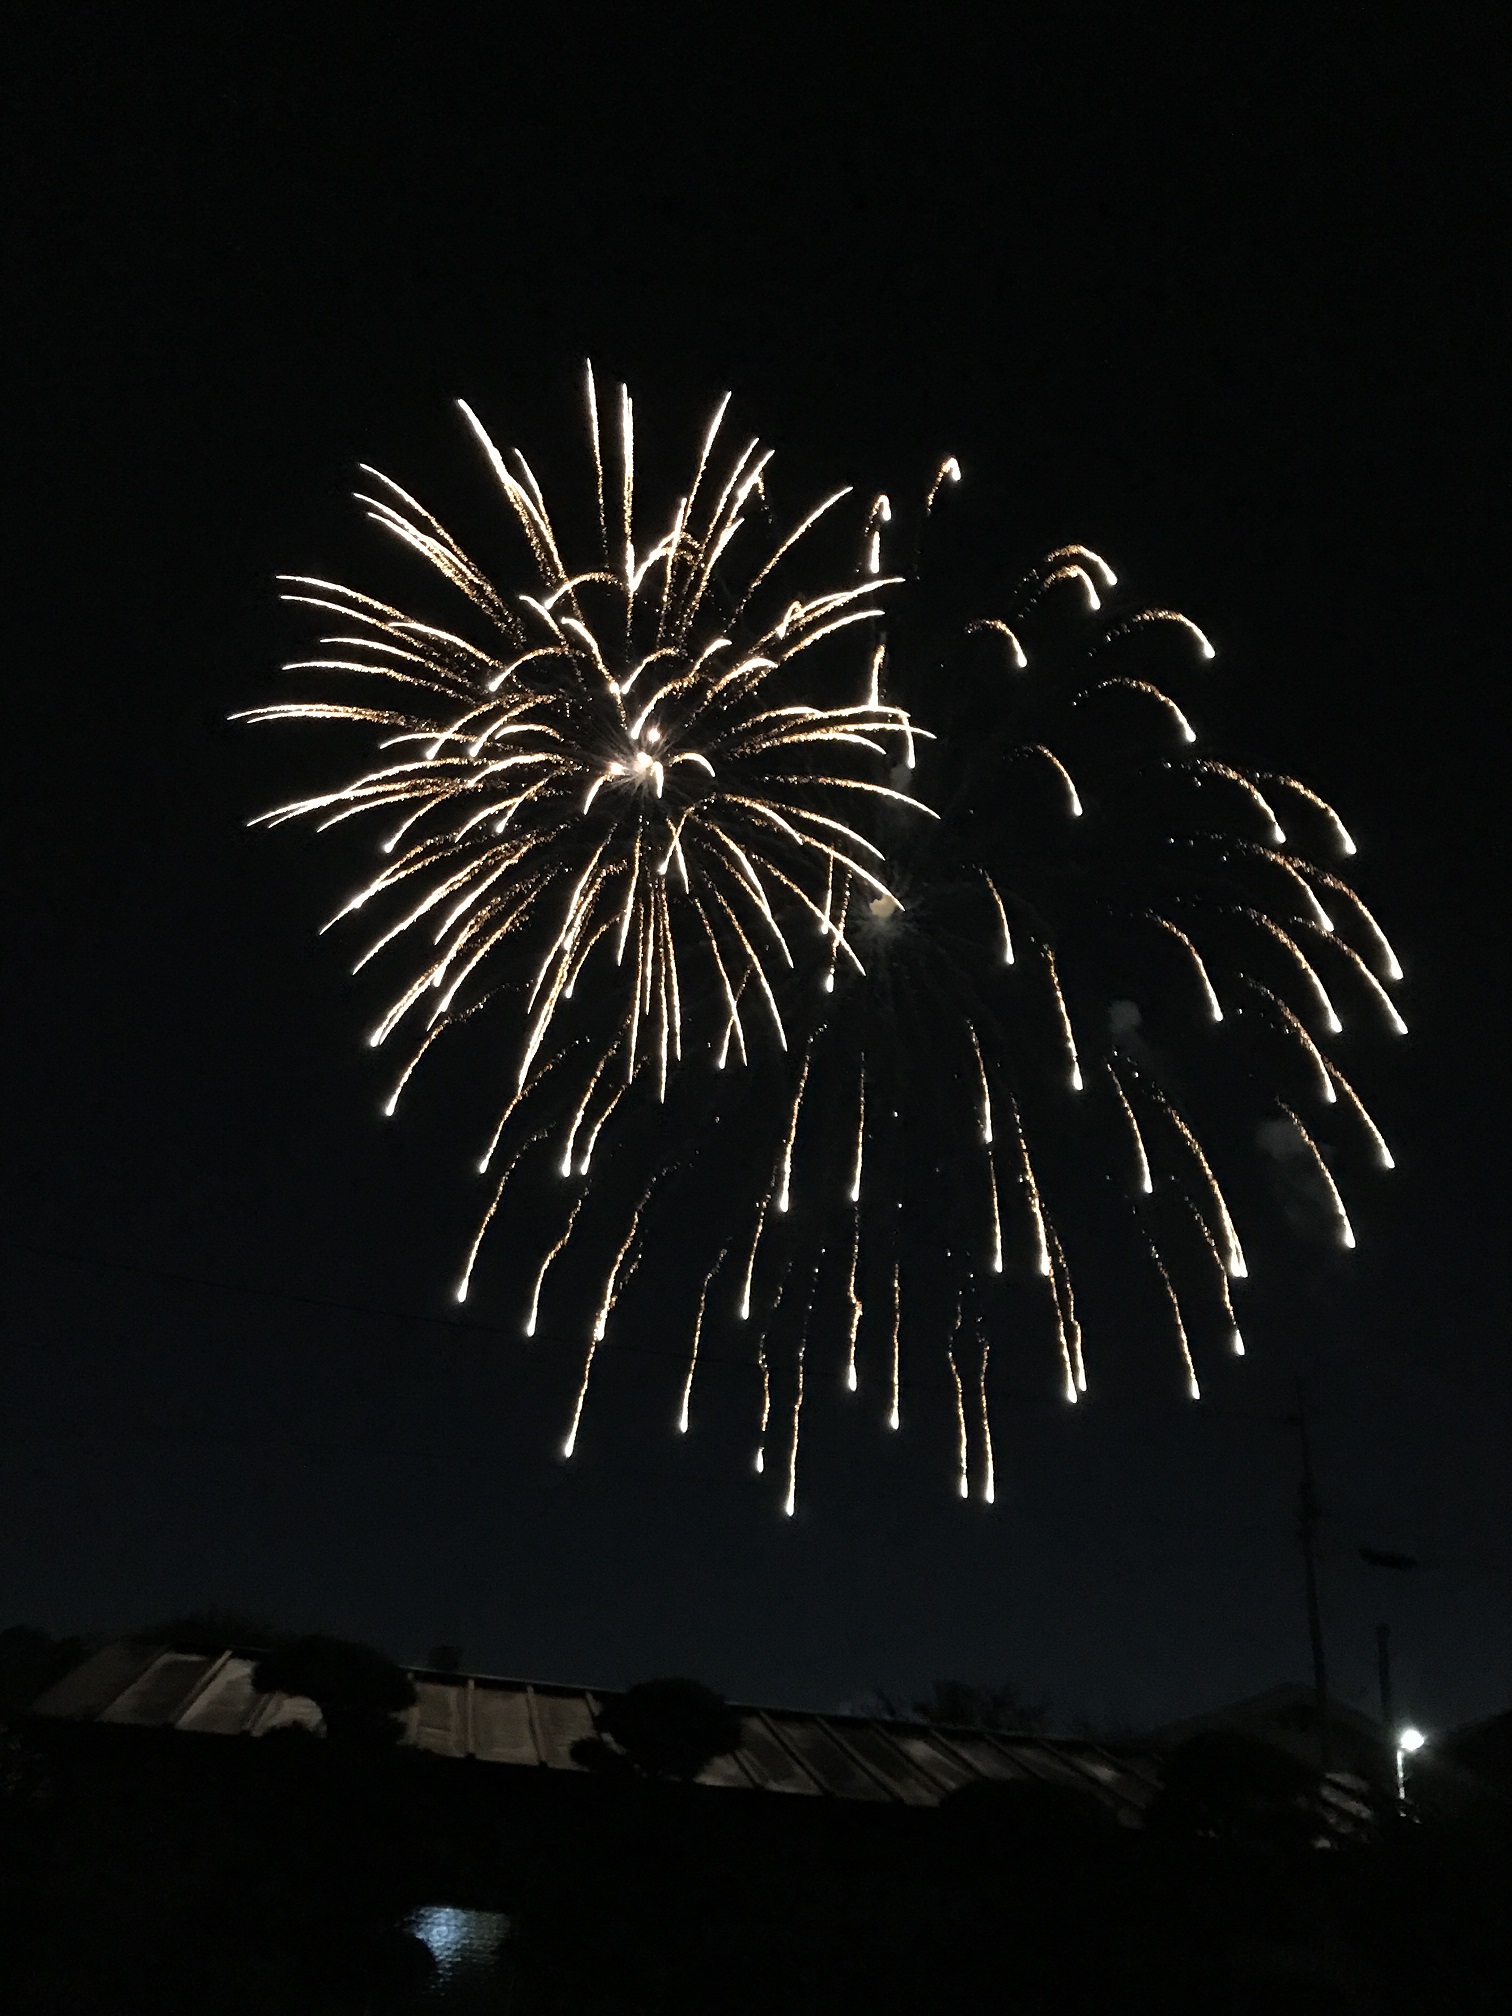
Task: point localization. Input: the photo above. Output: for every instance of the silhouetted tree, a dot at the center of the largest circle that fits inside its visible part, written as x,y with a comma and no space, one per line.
30,1661
213,1630
669,1728
359,1690
965,1705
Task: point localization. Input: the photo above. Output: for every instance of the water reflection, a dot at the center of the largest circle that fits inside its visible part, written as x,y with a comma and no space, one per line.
465,1945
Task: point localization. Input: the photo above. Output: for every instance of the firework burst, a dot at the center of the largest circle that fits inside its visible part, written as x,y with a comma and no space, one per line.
671,811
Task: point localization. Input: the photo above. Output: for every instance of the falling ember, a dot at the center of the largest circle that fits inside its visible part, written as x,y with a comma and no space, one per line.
963,1458
1142,1160
949,471
1220,1275
698,1324
992,624
1295,1027
1168,616
1341,1216
1094,560
750,1266
1234,1252
1342,837
1067,1326
976,1051
1065,1019
1181,1335
466,1281
1214,1005
790,1501
1304,967
1002,917
785,1184
764,1365
989,1482
894,1418
1162,699
1356,1105
1074,573
855,1307
551,1253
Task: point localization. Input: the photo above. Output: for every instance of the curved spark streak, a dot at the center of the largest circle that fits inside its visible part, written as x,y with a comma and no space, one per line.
1357,1106
1180,1327
1167,616
996,625
1142,1160
1341,1216
698,1323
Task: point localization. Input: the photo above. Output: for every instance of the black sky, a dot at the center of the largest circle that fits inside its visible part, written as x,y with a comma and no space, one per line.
1220,296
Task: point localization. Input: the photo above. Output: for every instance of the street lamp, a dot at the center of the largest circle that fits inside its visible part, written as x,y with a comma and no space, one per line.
1409,1741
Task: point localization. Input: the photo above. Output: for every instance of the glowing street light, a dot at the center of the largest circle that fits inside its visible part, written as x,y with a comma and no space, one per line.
1408,1742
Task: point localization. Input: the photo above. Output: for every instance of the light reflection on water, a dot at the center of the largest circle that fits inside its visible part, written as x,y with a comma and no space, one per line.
465,1945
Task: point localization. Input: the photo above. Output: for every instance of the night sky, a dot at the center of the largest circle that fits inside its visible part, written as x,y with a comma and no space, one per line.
1224,302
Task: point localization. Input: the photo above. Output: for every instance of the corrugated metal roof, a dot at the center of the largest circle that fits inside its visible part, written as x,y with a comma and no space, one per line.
521,1723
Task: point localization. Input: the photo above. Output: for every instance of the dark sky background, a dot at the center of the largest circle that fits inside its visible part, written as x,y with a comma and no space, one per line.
1216,290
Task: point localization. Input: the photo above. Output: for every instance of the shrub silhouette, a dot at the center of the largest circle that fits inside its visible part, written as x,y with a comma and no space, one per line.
670,1728
359,1690
1230,1790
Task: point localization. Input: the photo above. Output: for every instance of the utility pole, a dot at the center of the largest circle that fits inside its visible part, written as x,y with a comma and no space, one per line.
1307,1532
1383,1674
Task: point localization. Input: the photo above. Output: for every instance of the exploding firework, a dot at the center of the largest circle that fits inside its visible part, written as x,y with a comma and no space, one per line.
670,821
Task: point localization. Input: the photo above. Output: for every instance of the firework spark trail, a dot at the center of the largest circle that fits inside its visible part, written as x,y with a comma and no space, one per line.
963,1454
1152,692
514,1162
1220,1274
790,1501
1246,785
1341,1216
1357,1106
1000,629
1002,917
784,1186
1391,965
1372,985
1142,1160
1180,1327
764,1366
895,1418
1292,1022
1304,967
1204,980
614,1281
989,1478
533,1312
698,1324
1341,833
1233,1252
750,1266
1032,1193
855,1180
1165,616
1067,1327
1062,1012
856,1311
